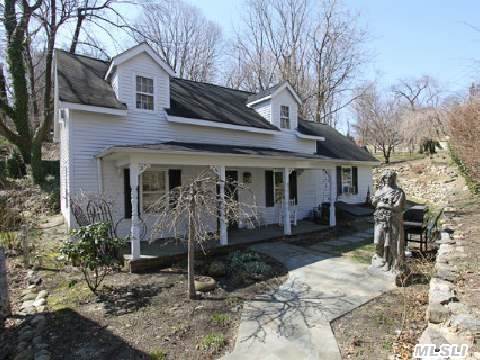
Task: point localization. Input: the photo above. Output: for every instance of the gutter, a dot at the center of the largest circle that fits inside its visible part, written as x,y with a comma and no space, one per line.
135,150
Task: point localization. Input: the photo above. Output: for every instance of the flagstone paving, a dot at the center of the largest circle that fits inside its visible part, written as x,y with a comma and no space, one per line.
293,321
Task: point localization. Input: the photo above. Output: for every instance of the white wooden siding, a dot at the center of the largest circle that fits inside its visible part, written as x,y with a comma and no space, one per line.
284,98
264,109
142,65
93,133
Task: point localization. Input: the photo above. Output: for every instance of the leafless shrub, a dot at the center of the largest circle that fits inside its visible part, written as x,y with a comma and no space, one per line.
192,210
464,131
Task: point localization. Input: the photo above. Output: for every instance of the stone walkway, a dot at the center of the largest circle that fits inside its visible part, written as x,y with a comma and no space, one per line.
293,321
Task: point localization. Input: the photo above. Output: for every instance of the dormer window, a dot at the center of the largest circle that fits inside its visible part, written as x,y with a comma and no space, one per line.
284,117
144,93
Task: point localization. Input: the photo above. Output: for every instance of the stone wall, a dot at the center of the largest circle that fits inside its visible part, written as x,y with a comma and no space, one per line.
449,320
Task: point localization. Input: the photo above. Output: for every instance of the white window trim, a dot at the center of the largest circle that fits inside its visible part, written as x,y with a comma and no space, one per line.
154,94
167,186
287,118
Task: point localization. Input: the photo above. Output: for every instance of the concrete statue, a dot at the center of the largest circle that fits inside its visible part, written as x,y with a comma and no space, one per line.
389,202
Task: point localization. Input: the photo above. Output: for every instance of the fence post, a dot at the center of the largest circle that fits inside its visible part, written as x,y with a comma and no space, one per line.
4,302
25,248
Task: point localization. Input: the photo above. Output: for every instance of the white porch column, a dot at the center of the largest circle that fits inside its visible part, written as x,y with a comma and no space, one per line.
223,224
332,174
287,226
135,229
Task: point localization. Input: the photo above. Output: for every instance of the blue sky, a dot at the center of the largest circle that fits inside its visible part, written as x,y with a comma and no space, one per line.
408,38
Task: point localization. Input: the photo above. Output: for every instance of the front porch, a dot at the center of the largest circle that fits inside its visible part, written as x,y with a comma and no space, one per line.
164,252
281,185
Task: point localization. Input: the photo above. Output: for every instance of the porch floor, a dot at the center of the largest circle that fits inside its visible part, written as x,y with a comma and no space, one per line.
164,247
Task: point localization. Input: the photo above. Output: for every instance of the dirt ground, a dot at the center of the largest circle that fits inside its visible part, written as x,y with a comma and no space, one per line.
390,323
139,316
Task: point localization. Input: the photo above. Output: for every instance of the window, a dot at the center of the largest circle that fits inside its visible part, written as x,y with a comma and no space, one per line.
278,186
346,179
284,117
318,147
144,93
154,186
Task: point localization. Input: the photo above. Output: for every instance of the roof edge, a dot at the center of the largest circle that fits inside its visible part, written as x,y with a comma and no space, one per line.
218,124
134,51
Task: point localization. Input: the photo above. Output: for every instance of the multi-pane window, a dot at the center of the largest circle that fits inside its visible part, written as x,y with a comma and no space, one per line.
347,180
278,186
144,92
154,187
284,117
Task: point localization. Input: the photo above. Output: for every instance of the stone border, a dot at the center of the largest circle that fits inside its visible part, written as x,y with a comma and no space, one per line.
31,341
449,321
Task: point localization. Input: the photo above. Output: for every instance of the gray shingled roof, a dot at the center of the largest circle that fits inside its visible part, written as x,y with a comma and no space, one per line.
206,101
336,145
219,149
81,81
264,93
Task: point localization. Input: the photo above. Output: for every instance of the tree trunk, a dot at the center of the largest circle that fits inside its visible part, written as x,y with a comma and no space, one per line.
76,35
4,301
386,154
191,247
44,130
16,28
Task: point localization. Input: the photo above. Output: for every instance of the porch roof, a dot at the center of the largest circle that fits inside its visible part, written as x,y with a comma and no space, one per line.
169,153
180,147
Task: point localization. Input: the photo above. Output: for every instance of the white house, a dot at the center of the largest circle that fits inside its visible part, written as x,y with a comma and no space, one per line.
130,129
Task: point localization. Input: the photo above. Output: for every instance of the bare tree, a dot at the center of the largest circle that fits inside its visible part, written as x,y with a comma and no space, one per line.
191,211
316,46
337,55
183,37
379,120
26,100
423,118
464,131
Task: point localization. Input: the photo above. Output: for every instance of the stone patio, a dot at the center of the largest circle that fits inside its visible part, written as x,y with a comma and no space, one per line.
293,321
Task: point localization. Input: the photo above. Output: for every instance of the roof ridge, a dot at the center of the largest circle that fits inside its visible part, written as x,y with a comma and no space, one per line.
82,55
212,84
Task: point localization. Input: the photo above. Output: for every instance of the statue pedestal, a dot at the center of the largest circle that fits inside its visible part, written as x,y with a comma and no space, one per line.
400,278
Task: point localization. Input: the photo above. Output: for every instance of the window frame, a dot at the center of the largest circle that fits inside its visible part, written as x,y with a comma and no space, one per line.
137,92
283,117
142,191
351,185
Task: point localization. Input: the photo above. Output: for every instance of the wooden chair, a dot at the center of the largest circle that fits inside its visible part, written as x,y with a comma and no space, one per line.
414,224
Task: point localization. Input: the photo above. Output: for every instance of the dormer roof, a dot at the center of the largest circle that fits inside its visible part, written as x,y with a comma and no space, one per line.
271,92
134,51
